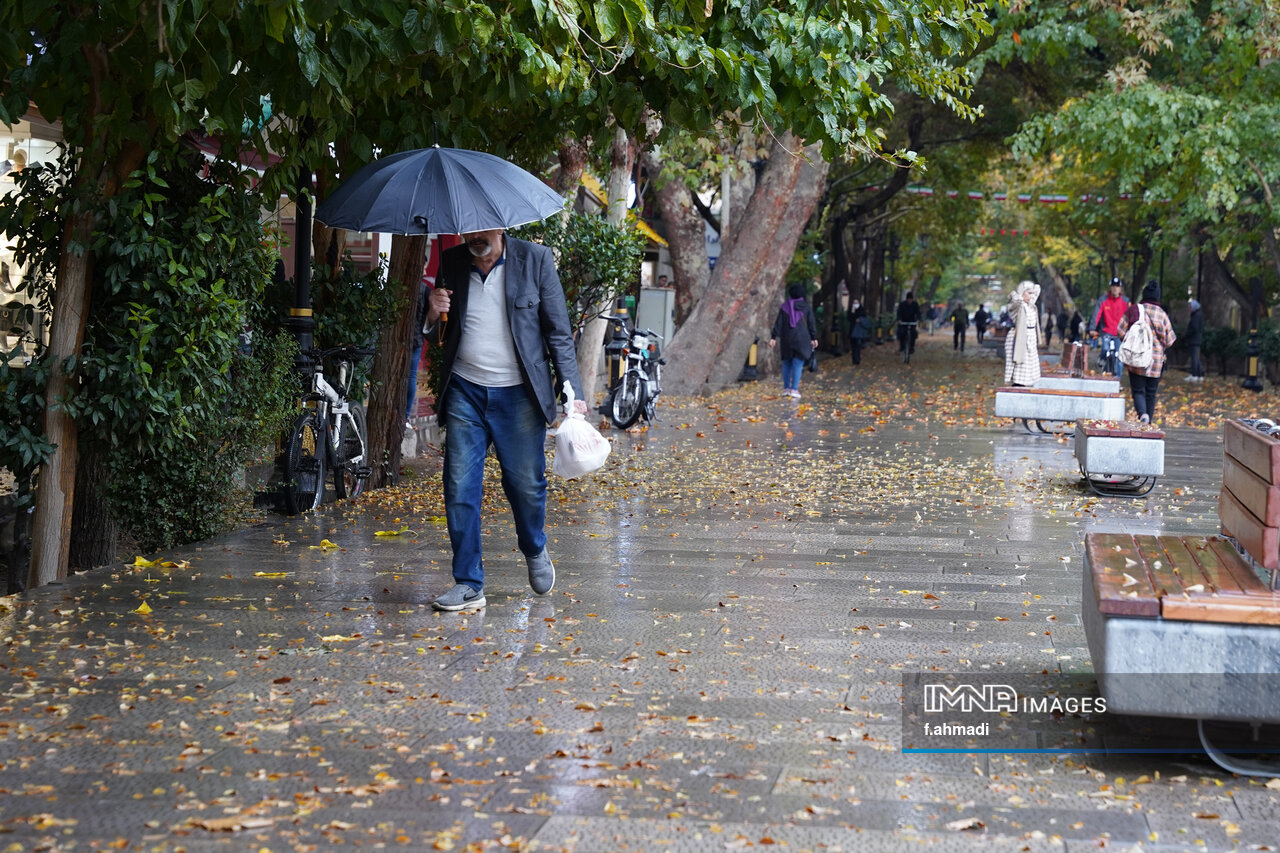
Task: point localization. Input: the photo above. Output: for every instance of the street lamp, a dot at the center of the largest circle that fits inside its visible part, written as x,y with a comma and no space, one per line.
1251,381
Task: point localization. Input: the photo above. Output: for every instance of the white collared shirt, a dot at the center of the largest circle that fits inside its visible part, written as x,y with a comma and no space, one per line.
486,351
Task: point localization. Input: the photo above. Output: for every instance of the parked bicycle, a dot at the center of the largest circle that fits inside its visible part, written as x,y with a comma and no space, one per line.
636,392
331,435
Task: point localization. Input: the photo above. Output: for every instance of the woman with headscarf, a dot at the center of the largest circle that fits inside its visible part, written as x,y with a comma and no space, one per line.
1144,381
796,329
1022,344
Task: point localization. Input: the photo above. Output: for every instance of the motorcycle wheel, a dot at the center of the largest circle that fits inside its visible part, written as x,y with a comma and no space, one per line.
628,401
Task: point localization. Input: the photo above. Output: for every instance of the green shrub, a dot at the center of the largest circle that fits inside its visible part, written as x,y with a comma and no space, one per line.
172,400
1224,343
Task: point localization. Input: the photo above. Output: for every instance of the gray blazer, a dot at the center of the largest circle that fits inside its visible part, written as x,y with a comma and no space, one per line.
539,322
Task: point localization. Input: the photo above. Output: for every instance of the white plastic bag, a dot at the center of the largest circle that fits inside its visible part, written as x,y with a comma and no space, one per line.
580,448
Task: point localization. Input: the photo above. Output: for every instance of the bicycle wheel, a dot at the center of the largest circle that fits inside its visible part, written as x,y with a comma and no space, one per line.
628,401
351,468
304,465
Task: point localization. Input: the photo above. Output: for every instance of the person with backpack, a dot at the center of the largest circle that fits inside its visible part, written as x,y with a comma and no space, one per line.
1142,350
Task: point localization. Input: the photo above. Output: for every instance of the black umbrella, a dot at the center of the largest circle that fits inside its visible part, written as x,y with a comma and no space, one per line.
438,191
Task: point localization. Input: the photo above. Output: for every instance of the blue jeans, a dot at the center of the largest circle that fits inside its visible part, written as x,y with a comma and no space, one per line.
791,370
1144,390
509,419
415,356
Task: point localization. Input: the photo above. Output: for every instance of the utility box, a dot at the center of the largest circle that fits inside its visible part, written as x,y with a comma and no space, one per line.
657,311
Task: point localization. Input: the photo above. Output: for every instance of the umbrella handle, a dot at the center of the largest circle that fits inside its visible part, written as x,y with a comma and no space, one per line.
444,318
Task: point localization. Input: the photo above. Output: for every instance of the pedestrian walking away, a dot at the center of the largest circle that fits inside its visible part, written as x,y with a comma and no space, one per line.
959,325
498,313
908,323
1143,382
1195,340
1048,328
796,329
859,333
981,319
1021,346
1106,321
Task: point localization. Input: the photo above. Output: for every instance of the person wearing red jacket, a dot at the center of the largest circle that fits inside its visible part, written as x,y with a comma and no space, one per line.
1106,322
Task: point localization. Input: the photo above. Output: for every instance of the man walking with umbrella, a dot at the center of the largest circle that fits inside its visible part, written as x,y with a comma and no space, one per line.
498,311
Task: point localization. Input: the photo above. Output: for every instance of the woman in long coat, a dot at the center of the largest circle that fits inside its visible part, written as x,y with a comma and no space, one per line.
1021,347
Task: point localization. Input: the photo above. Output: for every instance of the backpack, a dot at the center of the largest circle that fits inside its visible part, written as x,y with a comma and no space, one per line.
1138,347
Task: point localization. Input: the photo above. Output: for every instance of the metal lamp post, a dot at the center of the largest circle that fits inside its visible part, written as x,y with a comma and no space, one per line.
1252,382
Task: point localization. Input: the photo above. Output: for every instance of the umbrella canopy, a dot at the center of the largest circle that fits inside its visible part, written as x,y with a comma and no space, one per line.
438,191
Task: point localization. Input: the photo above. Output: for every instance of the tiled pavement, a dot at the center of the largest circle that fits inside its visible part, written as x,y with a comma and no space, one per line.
718,667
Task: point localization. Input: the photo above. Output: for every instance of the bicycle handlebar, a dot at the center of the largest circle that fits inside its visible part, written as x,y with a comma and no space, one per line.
347,352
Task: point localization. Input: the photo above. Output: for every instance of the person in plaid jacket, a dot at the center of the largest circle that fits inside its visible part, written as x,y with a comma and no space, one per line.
1144,382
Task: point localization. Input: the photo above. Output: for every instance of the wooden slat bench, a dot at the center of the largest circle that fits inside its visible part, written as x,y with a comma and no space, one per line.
1051,404
1189,626
1119,458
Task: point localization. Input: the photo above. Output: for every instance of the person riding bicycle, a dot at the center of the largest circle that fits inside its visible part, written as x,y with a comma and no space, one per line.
1107,321
908,319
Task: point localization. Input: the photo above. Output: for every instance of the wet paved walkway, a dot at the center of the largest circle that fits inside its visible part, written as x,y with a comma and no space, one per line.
718,667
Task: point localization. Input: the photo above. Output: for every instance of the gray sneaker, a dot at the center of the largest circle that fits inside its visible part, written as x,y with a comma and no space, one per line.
460,597
542,572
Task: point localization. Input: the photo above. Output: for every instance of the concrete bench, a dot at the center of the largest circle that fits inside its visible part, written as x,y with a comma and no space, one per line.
1052,404
1189,626
1072,373
1119,458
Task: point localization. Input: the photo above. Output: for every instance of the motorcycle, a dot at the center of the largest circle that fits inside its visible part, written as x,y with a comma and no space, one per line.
637,389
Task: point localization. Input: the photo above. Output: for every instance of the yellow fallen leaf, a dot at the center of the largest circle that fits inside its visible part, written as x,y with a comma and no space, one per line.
339,638
139,562
271,574
438,519
325,545
170,564
143,608
392,532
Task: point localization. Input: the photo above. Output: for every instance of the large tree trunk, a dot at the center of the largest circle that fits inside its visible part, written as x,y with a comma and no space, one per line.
590,351
746,285
94,533
389,377
686,240
56,484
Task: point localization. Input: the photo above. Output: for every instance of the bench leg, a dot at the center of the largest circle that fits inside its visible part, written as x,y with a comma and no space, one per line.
1242,766
1130,487
1040,428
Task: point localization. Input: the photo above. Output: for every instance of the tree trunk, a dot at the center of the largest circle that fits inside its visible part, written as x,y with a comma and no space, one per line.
573,162
1061,289
590,352
389,379
94,535
56,483
745,287
1221,288
686,240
